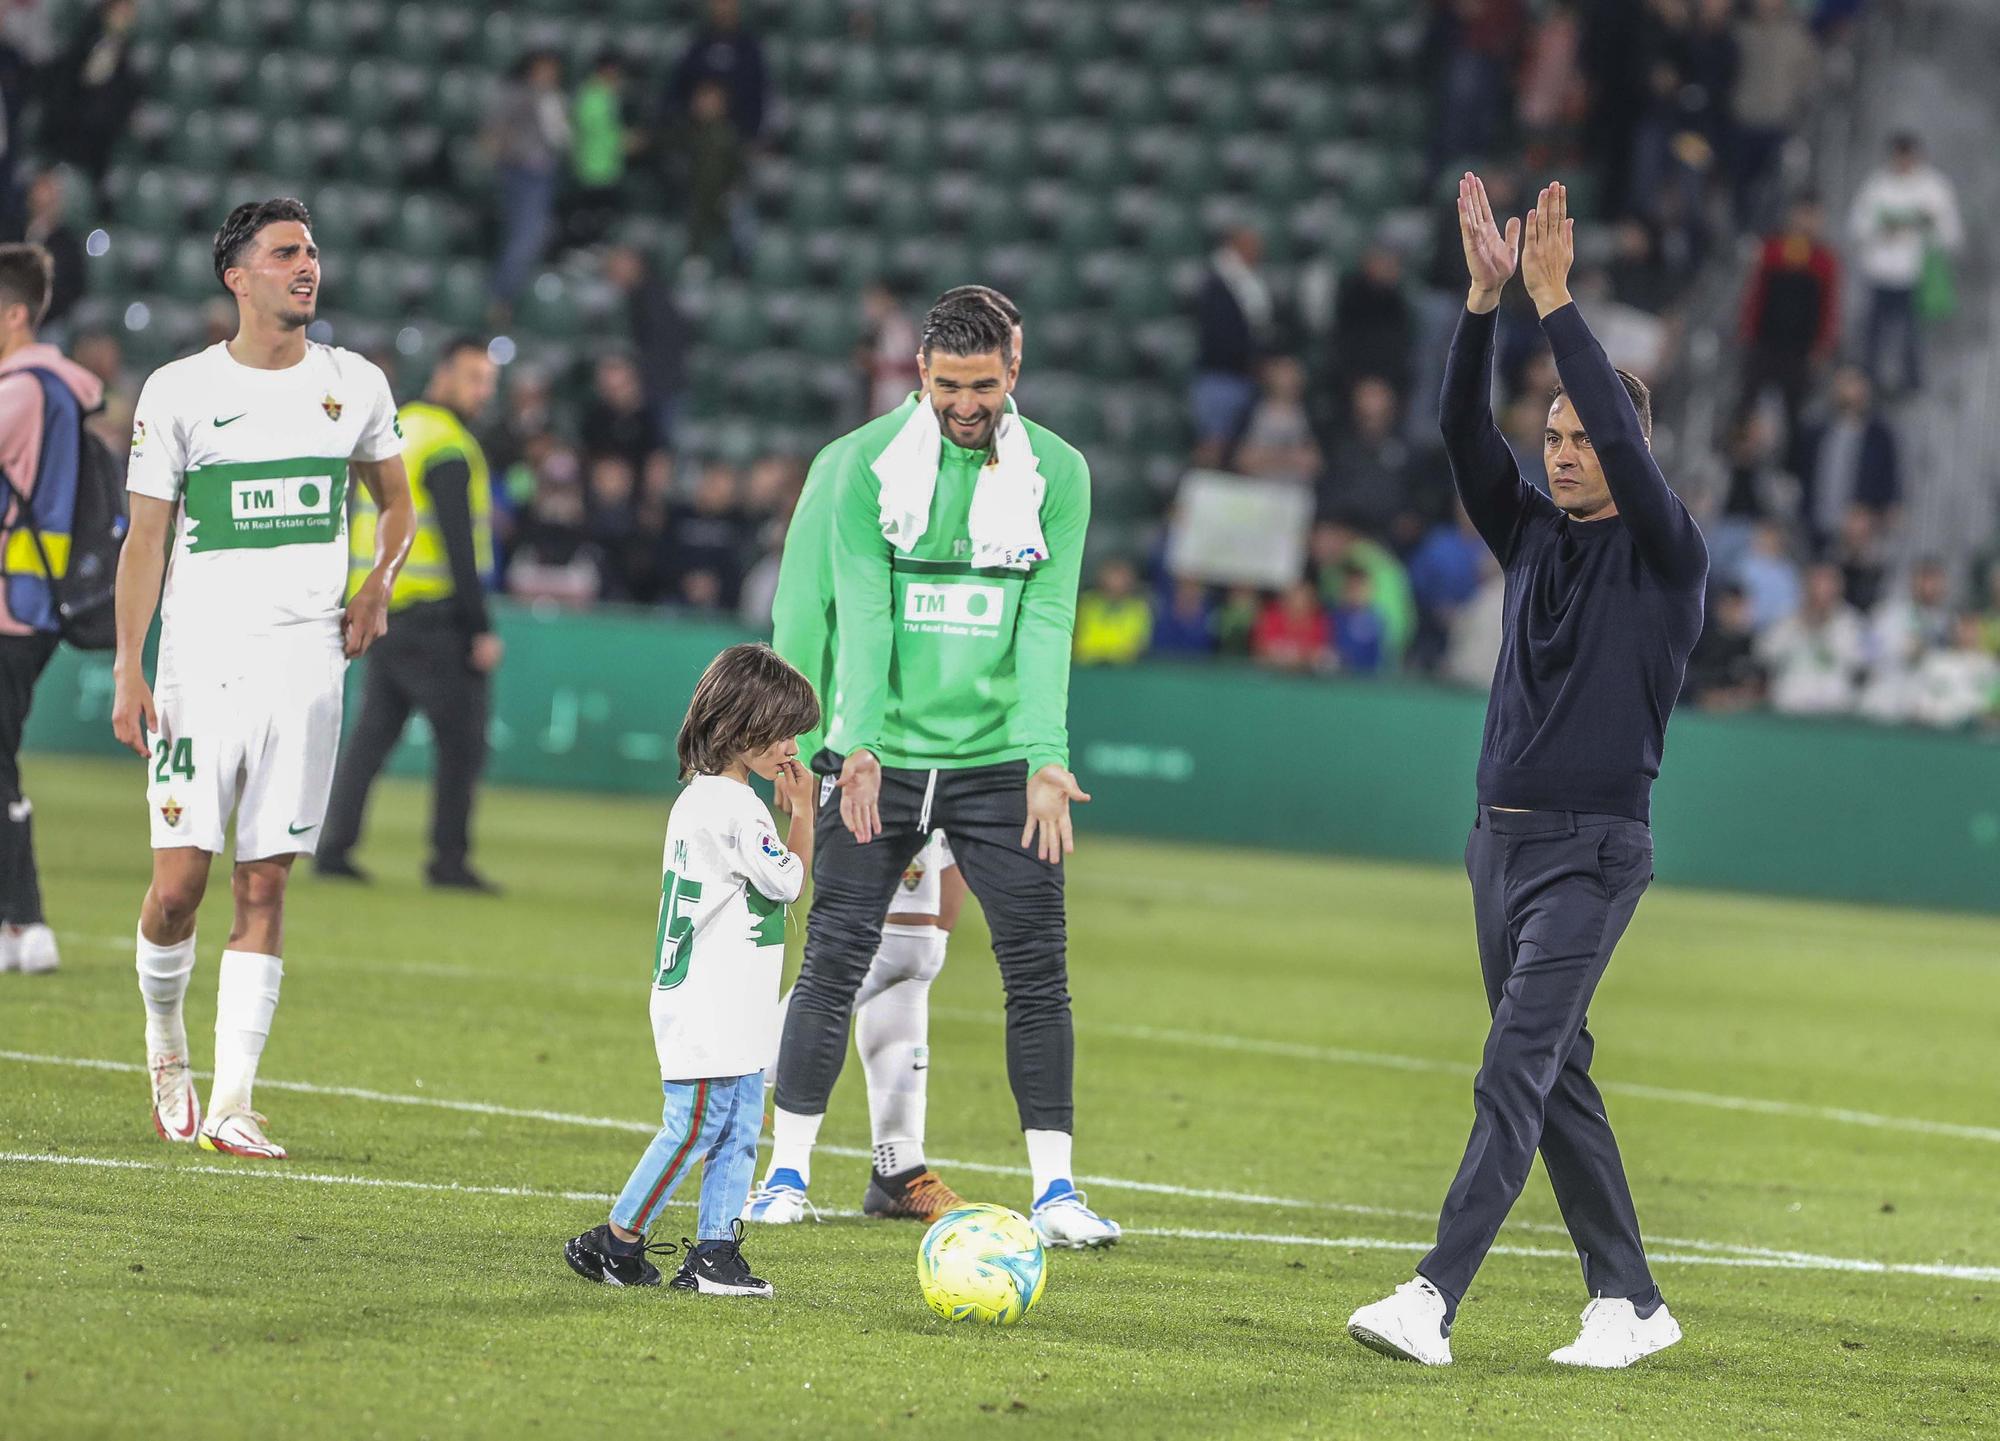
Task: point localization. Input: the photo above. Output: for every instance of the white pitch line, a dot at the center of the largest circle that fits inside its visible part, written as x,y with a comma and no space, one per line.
1298,1051
1158,1188
1349,1243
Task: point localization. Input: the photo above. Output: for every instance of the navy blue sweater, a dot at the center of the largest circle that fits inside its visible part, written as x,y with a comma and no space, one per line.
1600,614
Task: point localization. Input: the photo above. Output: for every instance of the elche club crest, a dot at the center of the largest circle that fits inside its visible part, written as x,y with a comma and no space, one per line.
331,406
171,812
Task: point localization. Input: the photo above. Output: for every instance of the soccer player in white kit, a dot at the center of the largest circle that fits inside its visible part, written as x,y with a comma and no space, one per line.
241,458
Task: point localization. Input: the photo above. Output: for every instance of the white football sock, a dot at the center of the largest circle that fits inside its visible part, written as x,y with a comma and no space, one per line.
163,982
246,997
892,1031
1048,1158
792,1140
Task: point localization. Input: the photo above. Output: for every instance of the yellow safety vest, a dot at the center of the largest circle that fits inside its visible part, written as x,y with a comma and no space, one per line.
431,433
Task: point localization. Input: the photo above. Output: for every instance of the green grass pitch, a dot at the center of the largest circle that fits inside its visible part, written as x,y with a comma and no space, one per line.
1273,1057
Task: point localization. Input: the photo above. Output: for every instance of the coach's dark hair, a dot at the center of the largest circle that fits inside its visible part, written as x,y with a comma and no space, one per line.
1642,399
747,699
246,220
456,346
27,274
986,293
973,326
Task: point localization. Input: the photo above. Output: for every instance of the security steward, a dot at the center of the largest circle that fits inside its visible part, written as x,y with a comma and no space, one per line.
440,653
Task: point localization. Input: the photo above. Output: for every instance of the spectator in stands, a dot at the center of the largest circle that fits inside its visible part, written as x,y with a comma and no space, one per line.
1374,326
1360,639
1847,460
601,143
1186,625
1959,685
527,134
611,521
1278,443
711,158
1473,651
616,421
710,538
1336,548
887,356
91,90
1367,477
1470,51
1791,312
1815,656
659,333
1863,557
47,227
1905,213
554,559
1234,319
1553,90
1639,277
1445,571
1293,632
1779,75
724,53
1904,631
99,352
1769,577
1723,673
1753,490
1236,622
1114,619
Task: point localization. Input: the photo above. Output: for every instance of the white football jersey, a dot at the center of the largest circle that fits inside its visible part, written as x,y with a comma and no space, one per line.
719,951
257,461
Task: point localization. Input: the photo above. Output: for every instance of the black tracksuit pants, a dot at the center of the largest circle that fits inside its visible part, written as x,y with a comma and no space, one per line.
981,810
22,659
422,664
1552,891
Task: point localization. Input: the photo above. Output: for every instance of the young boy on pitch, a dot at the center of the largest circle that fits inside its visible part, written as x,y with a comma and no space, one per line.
717,958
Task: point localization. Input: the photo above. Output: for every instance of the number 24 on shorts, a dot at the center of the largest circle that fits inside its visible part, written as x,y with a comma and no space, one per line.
175,756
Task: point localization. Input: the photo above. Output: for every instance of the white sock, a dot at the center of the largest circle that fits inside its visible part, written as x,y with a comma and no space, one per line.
892,1031
246,997
163,982
792,1140
1048,1158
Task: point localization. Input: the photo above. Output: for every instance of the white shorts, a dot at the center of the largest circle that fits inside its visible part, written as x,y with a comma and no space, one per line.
262,746
921,892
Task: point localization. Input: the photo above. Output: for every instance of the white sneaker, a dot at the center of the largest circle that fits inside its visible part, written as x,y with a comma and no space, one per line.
1408,1325
1614,1336
1067,1223
30,949
778,1205
176,1107
239,1131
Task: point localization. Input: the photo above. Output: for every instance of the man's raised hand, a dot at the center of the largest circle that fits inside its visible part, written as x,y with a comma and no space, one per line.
1549,249
1490,257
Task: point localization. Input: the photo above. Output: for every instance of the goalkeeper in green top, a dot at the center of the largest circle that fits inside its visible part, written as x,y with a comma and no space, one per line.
954,539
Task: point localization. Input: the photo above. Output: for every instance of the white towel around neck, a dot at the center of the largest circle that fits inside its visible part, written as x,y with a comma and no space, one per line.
1006,521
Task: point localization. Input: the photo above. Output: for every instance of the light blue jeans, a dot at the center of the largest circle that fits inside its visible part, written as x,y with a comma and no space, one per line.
714,1122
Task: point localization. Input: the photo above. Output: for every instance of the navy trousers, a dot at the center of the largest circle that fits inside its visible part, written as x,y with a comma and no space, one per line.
1552,891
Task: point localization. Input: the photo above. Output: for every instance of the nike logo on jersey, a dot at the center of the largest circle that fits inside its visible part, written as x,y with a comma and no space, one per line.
300,830
219,422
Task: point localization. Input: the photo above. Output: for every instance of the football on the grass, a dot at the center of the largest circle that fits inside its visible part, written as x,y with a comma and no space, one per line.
982,1264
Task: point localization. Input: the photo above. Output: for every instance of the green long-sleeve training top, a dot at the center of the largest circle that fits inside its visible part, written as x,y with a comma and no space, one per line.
920,658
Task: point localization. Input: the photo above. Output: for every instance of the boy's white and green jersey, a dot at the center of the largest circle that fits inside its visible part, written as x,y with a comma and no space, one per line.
923,659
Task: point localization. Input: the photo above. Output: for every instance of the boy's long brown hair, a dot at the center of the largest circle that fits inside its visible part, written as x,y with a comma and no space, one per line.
747,699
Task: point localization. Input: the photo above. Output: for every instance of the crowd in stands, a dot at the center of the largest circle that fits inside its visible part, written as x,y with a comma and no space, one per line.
1681,127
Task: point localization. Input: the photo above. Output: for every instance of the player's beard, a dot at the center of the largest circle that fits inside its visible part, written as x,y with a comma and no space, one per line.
980,442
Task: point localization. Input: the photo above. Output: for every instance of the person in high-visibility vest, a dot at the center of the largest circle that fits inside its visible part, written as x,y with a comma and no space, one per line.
441,651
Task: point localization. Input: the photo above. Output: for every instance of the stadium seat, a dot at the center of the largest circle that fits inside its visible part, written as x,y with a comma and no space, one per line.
461,295
732,320
829,327
371,283
151,203
190,270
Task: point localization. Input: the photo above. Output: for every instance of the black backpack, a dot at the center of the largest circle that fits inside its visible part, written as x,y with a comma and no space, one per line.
84,597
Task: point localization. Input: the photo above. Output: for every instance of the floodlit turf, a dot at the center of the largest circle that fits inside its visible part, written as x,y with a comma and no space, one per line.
1803,1091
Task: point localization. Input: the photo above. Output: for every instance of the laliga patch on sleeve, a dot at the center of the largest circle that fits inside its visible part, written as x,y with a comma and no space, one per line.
768,844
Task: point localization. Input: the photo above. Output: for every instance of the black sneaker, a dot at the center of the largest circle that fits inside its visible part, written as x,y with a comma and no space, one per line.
340,868
590,1256
913,1195
717,1268
460,878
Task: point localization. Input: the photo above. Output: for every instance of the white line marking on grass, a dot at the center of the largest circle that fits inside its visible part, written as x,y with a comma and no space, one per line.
1116,1183
1381,1060
1295,1051
1782,1262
